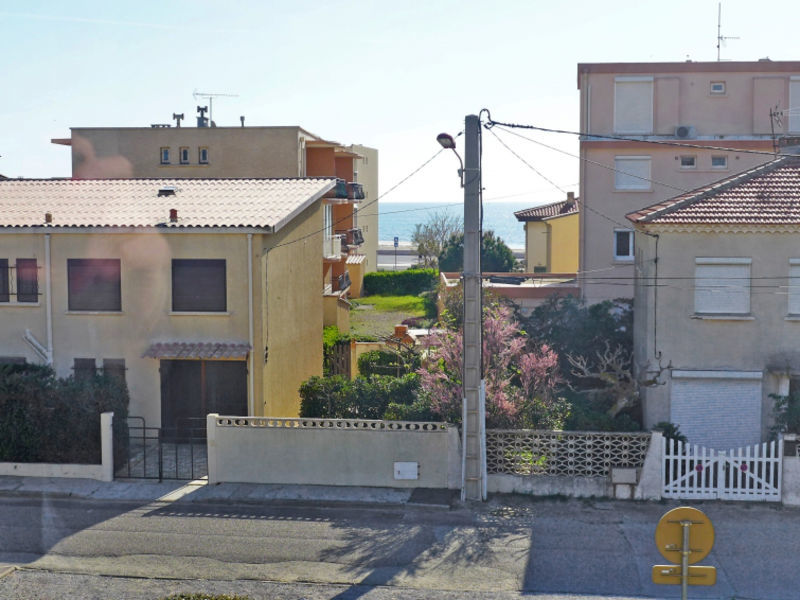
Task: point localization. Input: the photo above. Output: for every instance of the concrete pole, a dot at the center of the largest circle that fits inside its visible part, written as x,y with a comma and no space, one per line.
473,417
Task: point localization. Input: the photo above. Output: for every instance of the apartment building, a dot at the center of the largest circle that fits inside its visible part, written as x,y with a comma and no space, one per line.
652,131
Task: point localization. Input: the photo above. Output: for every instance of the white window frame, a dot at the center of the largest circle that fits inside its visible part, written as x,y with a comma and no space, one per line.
721,294
202,155
625,181
622,127
692,158
624,257
183,155
164,155
793,288
724,157
723,91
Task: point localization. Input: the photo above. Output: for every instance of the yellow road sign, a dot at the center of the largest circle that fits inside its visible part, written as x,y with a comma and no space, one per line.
671,575
669,534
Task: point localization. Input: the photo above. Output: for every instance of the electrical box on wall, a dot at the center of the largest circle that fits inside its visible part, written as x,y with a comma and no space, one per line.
406,470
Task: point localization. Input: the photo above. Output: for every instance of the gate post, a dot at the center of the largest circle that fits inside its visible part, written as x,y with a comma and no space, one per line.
211,447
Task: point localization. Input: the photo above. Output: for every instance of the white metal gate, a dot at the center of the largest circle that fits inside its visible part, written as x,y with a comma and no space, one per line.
695,472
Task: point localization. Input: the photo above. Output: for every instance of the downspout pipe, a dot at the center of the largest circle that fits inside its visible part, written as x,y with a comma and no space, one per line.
251,371
48,286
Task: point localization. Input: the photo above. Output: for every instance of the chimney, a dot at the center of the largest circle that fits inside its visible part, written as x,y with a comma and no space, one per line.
48,217
400,331
173,215
570,197
242,120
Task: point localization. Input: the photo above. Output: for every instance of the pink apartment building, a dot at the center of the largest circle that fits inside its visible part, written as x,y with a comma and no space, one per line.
710,120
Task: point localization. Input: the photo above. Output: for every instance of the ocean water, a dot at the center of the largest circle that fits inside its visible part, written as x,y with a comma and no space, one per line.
399,219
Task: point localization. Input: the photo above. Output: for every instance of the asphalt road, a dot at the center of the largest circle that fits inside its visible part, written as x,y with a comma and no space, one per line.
506,548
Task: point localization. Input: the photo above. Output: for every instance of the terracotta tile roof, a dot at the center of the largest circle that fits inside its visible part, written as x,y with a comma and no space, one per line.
548,211
198,350
137,203
765,195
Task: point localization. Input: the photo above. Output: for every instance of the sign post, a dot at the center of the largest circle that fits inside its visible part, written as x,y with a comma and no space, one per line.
396,243
687,533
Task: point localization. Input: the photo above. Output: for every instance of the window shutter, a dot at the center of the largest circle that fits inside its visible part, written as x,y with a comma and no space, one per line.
632,173
794,287
199,285
27,280
94,284
4,295
722,287
633,105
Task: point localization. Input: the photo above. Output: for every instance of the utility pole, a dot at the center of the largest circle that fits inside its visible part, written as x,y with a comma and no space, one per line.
473,420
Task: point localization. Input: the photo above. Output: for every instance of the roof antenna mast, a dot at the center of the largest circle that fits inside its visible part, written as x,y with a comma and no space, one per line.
210,97
721,38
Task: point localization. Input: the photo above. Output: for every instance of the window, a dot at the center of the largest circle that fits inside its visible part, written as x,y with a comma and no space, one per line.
184,155
632,173
94,284
84,369
27,280
202,156
198,285
794,286
114,367
688,162
794,101
623,244
633,105
165,155
719,162
5,293
722,286
717,88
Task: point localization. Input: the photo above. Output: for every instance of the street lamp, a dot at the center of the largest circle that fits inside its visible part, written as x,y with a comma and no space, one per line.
447,142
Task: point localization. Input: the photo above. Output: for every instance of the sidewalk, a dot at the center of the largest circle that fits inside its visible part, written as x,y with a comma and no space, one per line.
199,491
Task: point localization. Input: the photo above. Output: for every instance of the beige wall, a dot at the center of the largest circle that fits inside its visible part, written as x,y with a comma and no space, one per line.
355,453
292,314
367,209
536,245
681,92
665,320
116,152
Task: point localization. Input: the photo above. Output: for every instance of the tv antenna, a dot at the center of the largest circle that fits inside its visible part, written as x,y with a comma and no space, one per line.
721,39
210,97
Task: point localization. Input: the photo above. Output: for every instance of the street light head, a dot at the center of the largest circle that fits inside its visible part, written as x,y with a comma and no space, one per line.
446,141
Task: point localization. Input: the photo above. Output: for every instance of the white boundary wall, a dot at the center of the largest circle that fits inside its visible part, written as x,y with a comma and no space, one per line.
333,452
101,472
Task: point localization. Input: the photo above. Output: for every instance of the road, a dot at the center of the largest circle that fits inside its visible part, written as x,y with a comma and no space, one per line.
503,549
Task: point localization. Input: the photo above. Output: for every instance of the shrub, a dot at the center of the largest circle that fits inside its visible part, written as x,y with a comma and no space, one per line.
47,419
361,398
388,362
410,282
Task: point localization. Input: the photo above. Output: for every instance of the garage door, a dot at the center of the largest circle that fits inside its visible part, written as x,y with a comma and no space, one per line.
718,409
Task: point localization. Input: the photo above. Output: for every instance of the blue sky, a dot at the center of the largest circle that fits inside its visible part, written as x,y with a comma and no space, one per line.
387,74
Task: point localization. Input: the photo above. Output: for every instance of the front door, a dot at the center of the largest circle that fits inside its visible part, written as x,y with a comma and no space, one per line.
191,389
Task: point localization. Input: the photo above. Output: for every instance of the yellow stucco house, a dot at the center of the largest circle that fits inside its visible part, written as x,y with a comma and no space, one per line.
551,236
204,293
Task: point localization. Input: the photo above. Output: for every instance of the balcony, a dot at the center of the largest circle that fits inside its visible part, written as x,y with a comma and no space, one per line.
351,238
339,191
355,191
342,282
332,247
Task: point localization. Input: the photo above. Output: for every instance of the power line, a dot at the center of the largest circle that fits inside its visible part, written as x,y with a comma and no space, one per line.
491,123
530,166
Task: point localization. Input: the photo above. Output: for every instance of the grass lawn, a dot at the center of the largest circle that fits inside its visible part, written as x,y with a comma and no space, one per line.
377,315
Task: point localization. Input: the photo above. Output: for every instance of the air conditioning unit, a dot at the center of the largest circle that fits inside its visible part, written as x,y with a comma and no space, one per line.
685,132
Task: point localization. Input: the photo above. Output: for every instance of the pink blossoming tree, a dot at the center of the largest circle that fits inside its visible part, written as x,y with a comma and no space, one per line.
521,384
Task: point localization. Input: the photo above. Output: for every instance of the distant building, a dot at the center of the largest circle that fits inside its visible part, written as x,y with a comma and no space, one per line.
706,118
551,236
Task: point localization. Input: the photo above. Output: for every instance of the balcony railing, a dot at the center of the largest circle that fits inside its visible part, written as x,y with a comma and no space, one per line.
342,282
351,238
332,246
339,191
355,191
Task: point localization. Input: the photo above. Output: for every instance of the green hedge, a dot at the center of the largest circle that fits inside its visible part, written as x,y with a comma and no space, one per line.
338,397
410,282
55,420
